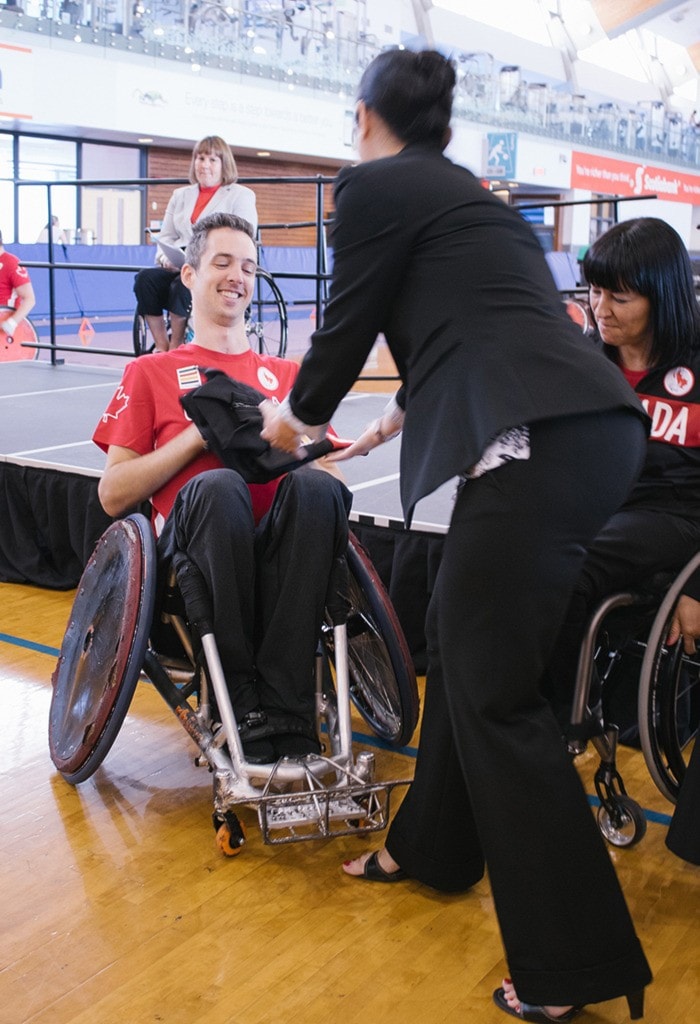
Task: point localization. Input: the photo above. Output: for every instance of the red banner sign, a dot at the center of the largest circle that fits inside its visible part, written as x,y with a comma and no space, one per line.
623,178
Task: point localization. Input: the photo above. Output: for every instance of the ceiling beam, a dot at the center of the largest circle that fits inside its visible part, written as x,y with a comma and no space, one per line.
619,16
694,54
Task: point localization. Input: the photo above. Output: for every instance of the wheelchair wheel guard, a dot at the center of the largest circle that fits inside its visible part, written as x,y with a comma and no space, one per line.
103,648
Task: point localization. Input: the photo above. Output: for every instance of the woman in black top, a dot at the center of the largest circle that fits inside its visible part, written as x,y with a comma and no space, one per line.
642,296
500,388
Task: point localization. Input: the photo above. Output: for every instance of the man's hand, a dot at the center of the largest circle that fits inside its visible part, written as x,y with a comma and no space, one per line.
685,623
9,326
278,432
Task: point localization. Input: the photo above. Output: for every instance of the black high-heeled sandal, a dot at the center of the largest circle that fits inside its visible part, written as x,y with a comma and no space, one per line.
635,1002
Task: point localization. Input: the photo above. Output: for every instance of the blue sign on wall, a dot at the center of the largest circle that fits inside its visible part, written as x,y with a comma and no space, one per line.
500,159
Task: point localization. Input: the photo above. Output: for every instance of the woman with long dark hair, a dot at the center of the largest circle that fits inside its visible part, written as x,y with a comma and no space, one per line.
500,389
647,319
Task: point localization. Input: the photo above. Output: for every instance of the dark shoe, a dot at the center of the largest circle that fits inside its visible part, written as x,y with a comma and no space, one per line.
254,731
291,744
259,752
374,872
532,1013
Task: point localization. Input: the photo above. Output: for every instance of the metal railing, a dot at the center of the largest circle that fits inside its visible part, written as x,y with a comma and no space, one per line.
319,276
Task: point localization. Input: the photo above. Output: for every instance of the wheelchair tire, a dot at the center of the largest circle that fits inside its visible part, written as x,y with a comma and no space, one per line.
383,684
579,311
103,648
268,325
669,696
627,827
143,343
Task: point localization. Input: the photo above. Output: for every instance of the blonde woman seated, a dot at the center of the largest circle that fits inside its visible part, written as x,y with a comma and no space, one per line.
159,289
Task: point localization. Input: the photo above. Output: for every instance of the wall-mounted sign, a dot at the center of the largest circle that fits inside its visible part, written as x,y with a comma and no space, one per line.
500,154
624,178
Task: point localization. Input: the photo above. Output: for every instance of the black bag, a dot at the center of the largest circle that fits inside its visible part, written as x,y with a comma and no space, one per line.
226,413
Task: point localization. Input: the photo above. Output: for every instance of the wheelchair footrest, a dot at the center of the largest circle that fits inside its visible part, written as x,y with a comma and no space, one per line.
350,806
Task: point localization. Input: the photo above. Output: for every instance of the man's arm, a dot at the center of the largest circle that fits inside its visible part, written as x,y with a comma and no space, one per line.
130,478
27,301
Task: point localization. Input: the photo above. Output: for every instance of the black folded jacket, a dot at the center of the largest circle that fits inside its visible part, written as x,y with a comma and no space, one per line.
227,415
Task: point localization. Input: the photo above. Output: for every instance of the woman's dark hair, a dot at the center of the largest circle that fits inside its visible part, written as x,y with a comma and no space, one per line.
412,91
646,255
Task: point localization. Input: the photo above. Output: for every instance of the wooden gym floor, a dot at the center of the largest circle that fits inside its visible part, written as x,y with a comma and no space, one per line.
117,907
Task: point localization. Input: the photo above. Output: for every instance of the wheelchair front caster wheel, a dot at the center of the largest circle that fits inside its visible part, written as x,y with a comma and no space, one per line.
625,825
230,834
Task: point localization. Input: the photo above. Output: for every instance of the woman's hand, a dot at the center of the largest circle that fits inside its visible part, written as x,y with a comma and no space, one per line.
685,623
380,430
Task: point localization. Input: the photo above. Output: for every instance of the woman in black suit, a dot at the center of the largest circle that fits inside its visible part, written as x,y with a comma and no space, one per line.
501,390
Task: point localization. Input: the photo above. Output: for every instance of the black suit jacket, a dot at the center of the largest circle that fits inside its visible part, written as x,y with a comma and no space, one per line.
458,284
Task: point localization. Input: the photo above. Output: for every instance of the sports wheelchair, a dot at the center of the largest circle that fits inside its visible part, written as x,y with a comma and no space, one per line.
267,326
22,345
362,658
629,630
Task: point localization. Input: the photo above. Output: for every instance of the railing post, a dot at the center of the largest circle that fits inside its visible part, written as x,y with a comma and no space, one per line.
320,268
52,284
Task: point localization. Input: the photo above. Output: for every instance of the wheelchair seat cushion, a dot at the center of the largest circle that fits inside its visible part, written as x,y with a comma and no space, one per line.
228,417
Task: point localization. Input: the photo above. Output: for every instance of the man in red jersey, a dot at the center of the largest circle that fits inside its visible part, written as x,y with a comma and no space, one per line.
260,547
15,290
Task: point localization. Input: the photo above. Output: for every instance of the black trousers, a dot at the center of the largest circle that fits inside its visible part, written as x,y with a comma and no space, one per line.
157,289
267,583
639,540
494,785
683,837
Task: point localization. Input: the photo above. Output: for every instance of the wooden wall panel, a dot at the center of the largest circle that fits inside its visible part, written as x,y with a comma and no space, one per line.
285,203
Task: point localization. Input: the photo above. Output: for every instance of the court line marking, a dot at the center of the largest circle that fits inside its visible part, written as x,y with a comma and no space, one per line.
373,483
58,391
52,448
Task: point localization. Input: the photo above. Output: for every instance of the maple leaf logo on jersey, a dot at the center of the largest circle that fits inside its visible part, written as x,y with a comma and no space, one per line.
679,381
267,379
115,409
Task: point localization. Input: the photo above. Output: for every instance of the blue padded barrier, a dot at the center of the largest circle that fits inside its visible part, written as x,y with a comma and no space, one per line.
96,293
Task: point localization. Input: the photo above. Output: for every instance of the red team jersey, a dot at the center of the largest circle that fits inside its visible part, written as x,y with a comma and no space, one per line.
12,275
145,412
670,478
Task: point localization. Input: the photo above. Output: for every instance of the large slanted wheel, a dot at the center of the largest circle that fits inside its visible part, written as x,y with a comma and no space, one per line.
103,648
267,326
669,696
383,684
141,336
17,347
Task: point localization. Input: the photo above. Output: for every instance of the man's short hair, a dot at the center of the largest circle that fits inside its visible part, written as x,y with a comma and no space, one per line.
202,229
